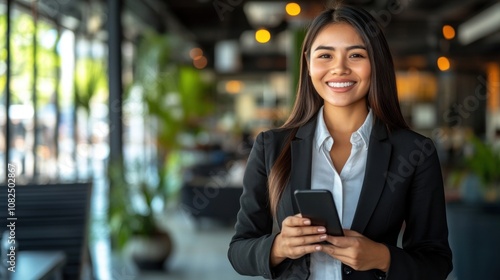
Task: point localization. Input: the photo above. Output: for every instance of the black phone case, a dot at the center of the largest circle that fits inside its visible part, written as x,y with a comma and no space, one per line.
318,206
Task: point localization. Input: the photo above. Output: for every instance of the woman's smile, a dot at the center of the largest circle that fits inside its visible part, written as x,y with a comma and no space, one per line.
341,85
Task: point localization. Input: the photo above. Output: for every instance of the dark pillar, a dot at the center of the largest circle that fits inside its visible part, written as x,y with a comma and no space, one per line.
115,80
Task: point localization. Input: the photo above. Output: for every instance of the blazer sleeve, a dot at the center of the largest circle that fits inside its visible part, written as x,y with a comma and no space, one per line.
249,249
426,253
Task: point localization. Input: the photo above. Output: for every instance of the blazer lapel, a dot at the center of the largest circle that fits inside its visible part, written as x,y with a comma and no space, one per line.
377,163
301,153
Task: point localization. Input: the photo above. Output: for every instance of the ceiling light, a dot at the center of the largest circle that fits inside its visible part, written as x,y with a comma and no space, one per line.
443,63
234,86
448,32
269,14
200,63
480,25
195,53
262,36
292,9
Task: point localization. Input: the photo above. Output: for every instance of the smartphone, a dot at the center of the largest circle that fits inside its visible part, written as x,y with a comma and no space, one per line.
318,206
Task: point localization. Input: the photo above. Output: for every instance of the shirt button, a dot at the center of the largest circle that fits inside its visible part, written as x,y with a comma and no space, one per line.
380,275
347,270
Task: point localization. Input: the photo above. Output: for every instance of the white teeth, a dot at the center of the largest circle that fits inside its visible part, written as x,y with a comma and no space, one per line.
340,85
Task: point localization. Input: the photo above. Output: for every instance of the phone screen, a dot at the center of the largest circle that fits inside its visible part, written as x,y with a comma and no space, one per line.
318,206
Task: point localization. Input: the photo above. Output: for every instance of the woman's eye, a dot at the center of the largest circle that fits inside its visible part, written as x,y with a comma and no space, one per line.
324,56
357,55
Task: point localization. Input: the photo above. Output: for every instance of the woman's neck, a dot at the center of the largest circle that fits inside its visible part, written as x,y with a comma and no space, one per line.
344,120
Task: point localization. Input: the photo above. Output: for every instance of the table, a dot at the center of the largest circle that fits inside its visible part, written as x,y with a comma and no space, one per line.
39,265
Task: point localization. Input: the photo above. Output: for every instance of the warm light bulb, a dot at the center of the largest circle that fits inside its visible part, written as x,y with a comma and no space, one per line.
196,53
292,9
262,36
233,87
448,32
443,63
200,63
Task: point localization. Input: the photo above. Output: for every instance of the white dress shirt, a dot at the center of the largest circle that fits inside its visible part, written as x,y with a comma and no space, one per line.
345,187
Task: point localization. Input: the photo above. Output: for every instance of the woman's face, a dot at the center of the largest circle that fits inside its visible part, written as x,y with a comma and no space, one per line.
339,66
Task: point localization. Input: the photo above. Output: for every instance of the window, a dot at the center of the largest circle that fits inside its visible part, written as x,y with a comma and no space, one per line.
21,109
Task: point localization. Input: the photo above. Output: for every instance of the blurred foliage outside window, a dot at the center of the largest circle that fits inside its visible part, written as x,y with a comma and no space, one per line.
46,89
3,81
21,87
69,76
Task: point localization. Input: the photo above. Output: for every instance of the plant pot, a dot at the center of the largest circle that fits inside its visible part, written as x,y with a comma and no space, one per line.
150,252
492,193
471,189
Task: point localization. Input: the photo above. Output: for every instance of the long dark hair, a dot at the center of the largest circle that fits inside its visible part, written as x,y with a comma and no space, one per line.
381,98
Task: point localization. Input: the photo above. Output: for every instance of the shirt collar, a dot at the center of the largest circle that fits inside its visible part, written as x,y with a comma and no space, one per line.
322,134
366,129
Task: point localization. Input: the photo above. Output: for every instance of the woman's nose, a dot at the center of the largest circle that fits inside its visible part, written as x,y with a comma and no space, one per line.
339,67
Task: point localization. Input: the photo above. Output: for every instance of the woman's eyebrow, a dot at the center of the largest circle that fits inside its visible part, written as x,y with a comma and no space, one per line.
329,48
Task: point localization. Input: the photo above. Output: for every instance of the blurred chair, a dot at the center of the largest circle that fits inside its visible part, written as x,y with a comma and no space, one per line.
53,217
207,192
219,204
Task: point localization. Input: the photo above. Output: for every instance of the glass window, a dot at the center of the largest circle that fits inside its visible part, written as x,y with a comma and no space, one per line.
66,142
21,109
135,125
46,88
3,90
92,110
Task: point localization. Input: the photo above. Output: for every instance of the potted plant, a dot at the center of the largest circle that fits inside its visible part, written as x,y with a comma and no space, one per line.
135,224
483,161
176,99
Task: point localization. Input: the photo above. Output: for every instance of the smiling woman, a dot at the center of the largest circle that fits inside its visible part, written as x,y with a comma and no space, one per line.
345,134
339,66
340,71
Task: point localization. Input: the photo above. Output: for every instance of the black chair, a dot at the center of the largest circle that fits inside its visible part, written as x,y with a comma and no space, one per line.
219,204
53,217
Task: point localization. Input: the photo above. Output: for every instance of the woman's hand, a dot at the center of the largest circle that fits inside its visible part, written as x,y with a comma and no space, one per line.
297,238
358,252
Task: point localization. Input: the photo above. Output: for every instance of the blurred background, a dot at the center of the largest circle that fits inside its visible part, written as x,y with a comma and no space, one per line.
126,124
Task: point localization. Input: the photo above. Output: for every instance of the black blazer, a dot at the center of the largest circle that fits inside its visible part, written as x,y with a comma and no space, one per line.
403,183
